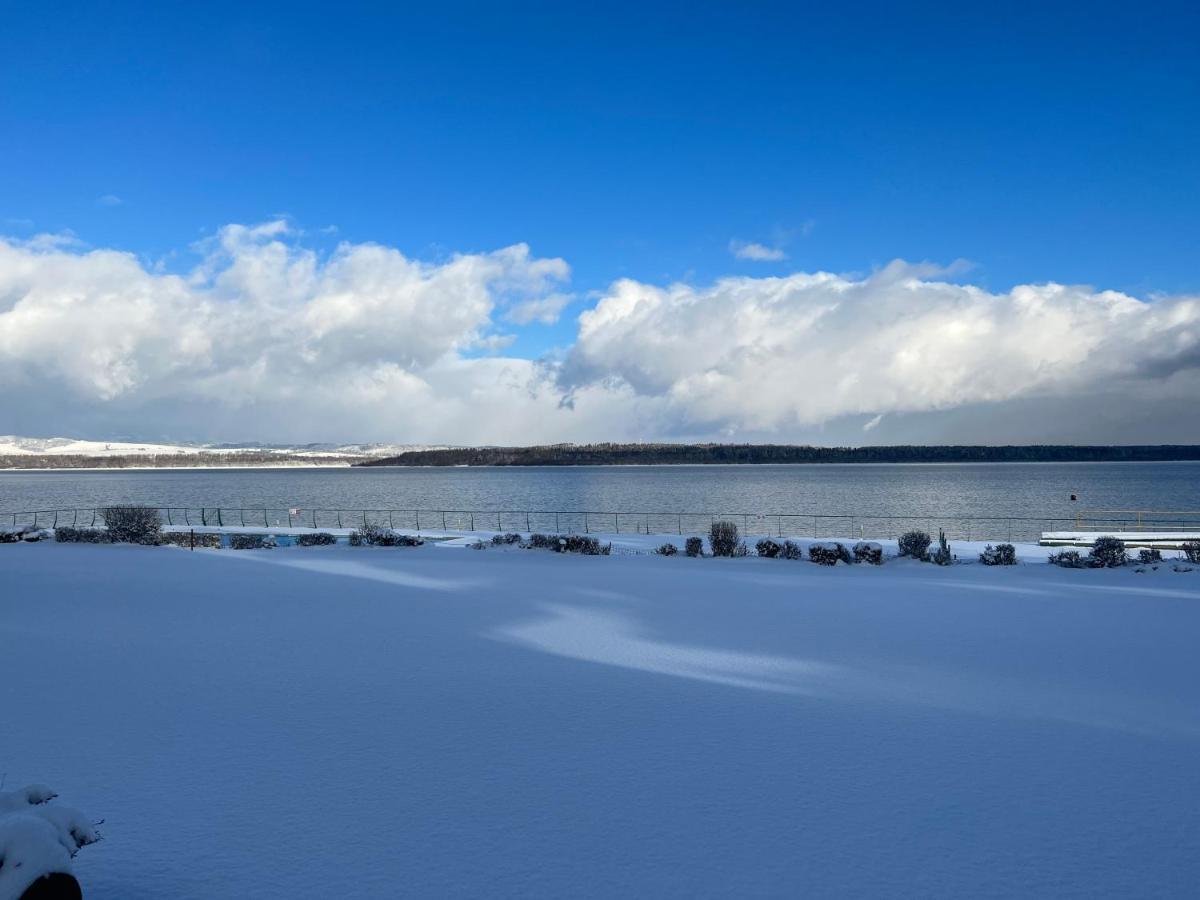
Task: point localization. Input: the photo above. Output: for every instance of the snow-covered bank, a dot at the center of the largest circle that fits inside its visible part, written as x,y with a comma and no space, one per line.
370,722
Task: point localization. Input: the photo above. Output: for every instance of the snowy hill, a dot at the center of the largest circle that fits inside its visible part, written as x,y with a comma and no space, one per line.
14,445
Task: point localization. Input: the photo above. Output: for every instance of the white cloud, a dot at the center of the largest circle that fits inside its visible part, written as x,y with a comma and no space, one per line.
267,339
779,354
755,252
265,334
109,200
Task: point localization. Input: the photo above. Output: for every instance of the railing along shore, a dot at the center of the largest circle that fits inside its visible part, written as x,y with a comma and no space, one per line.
813,525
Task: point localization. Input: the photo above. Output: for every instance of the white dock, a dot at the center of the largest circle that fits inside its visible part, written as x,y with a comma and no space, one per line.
1163,540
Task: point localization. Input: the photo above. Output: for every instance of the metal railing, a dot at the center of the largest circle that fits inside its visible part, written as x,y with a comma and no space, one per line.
1139,520
812,525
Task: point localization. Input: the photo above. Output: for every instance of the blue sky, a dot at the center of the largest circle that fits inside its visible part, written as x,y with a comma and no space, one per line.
1036,141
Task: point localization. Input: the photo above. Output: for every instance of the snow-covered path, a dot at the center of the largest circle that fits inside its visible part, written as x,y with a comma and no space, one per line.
379,722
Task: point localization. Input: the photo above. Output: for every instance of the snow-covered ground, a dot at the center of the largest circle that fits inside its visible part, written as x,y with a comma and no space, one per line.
378,722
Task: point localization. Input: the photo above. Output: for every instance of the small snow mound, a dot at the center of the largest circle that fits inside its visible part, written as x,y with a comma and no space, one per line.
37,840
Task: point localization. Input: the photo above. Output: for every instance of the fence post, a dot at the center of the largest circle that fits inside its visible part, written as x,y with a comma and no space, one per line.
267,524
220,518
585,524
556,528
364,518
472,521
339,515
443,520
526,520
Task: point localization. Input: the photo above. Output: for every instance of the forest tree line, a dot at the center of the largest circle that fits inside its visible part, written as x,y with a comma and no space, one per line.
701,454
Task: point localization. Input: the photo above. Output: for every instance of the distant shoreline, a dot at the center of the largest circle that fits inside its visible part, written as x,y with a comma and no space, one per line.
775,454
628,455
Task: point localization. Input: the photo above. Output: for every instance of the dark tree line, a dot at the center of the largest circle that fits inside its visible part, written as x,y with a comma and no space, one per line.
693,454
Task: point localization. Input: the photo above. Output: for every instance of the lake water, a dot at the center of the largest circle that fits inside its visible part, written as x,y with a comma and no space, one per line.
867,499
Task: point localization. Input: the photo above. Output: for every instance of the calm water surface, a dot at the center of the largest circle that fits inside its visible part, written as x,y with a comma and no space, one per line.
938,492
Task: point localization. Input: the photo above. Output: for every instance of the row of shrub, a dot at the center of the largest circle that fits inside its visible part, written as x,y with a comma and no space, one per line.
68,534
558,543
1110,553
724,540
143,525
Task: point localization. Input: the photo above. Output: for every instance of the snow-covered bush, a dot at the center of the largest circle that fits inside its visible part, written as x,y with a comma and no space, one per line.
723,540
667,550
568,543
37,844
69,534
693,546
829,553
772,549
1107,553
251,542
133,524
868,552
914,544
315,539
510,538
1000,555
942,555
1068,559
372,535
191,539
1149,555
582,543
16,534
1191,549
792,550
768,548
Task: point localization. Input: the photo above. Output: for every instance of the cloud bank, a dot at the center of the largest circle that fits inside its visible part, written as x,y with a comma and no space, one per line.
265,339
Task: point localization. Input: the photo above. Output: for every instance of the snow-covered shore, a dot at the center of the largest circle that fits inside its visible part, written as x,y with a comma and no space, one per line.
378,722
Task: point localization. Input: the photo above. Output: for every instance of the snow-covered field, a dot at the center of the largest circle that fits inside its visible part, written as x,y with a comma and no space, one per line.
377,722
